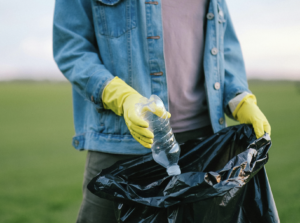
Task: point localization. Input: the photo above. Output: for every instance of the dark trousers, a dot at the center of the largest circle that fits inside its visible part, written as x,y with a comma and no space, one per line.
95,209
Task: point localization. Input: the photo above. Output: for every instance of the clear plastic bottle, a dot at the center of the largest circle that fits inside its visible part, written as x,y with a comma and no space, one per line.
165,149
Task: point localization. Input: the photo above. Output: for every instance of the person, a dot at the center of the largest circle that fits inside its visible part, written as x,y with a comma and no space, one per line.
116,51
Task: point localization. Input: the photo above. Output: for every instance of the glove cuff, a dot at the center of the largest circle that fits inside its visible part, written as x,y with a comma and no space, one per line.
233,103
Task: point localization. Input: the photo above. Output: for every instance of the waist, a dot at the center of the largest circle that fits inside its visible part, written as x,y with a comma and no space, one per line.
182,137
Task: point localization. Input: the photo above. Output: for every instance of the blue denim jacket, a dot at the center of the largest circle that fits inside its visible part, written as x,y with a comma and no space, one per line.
96,40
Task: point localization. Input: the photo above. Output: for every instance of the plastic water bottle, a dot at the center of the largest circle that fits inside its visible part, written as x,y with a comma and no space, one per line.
165,149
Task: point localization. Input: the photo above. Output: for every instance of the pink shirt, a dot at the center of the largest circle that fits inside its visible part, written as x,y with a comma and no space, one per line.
183,27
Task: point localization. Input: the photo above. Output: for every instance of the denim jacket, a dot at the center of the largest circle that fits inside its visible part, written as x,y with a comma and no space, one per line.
96,40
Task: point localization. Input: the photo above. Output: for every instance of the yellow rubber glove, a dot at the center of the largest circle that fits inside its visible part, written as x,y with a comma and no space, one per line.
247,112
121,99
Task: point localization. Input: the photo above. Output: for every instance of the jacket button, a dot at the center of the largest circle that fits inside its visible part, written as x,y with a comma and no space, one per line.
214,51
217,85
153,3
157,73
210,16
153,37
76,142
221,121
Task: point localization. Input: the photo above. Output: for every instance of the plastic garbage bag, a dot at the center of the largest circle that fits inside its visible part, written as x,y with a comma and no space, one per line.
223,180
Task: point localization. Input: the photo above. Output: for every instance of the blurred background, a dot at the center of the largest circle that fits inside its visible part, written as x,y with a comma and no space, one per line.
41,174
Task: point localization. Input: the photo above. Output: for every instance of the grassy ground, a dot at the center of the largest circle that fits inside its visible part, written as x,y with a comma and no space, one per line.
41,174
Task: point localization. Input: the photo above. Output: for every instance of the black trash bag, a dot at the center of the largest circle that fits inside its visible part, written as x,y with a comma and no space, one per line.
223,180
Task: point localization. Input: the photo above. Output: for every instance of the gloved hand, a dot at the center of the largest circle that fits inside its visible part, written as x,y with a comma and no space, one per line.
121,99
247,112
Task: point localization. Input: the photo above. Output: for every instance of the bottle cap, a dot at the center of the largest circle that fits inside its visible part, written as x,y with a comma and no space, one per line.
173,170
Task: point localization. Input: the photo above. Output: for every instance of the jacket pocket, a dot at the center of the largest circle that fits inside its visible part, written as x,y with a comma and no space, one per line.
115,17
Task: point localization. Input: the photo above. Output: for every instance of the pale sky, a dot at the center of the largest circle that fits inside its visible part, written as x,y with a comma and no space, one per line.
268,30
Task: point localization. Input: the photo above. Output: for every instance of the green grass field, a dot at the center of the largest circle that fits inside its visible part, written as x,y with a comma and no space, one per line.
41,174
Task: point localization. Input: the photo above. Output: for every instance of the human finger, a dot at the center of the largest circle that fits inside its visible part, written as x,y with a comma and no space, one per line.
258,129
142,131
143,143
145,139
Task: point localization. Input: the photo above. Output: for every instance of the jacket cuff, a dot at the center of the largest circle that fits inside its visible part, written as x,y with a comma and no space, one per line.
233,103
95,87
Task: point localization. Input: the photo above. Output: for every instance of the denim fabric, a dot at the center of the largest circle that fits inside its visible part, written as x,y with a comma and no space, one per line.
96,40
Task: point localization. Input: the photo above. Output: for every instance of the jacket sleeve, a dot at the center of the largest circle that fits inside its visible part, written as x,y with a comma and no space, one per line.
75,49
235,81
